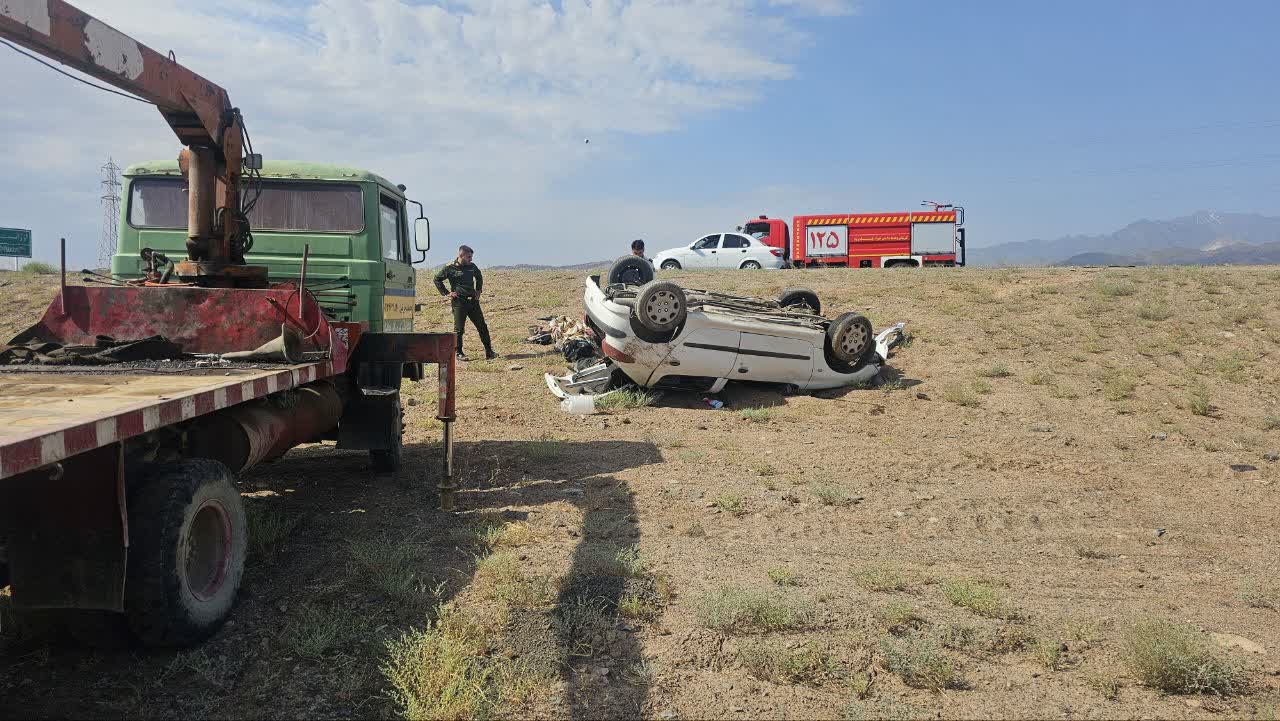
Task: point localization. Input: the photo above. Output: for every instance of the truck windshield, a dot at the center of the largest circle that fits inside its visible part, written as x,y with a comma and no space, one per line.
287,206
759,231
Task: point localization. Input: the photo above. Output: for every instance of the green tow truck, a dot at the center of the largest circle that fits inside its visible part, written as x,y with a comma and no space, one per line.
356,223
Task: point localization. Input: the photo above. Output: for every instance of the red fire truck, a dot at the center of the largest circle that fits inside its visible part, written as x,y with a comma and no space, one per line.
867,240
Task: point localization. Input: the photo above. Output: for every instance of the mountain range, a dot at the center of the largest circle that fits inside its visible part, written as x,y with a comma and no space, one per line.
1203,238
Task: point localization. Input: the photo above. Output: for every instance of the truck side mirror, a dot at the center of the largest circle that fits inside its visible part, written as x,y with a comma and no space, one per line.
418,223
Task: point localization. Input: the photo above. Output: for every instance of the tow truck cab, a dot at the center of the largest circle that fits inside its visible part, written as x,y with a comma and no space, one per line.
356,224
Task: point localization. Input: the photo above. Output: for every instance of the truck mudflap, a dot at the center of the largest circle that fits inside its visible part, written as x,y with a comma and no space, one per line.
374,420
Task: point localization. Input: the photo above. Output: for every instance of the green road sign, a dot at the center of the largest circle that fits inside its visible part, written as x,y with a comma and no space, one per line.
15,242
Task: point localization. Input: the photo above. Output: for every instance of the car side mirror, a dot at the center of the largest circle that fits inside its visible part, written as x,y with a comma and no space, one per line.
419,222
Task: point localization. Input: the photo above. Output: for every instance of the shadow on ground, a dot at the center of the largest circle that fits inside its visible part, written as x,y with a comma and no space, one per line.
344,536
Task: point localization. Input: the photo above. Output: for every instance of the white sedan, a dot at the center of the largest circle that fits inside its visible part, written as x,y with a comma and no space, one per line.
721,250
660,335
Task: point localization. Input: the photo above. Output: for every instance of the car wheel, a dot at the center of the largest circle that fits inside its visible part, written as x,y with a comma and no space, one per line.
671,265
801,299
661,307
630,270
849,343
751,265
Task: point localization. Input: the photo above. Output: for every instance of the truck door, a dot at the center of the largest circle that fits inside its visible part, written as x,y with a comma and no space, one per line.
398,288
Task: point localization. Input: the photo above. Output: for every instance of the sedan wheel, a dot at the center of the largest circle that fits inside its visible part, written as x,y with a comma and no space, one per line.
751,265
661,307
670,265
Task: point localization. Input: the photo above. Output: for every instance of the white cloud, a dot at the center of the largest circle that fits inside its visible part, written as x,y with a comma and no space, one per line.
478,105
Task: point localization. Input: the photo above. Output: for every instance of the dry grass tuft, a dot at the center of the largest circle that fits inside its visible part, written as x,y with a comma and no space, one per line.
920,663
977,596
756,415
1259,594
771,661
740,610
880,579
1175,658
784,577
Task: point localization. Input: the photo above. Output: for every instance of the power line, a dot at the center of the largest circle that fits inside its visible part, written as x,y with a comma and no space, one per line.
57,69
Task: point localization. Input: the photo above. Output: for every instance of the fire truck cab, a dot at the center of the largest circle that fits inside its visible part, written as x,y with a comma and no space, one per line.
934,238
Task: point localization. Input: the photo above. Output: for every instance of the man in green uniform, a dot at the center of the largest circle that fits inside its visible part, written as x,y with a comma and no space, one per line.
465,286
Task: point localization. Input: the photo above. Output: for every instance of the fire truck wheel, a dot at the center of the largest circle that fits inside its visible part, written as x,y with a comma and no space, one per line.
661,307
849,343
387,460
187,543
630,270
800,299
671,264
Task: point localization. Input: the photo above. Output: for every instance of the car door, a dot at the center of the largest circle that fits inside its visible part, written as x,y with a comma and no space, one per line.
398,288
773,359
703,253
734,249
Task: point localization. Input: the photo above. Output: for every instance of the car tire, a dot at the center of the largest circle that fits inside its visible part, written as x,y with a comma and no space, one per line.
630,270
661,307
188,538
849,343
800,298
671,265
750,265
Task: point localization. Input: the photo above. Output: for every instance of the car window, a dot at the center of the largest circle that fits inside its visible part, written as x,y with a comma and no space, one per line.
708,243
736,241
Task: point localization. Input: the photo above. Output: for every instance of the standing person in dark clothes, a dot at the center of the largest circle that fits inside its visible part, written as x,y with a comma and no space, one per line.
465,286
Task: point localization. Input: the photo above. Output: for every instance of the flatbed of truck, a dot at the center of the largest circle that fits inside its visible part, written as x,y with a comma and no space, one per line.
49,413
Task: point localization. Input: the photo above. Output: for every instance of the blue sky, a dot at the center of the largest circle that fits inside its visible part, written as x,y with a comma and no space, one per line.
1043,119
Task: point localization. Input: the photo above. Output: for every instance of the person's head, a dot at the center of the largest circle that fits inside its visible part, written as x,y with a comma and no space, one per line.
637,247
465,253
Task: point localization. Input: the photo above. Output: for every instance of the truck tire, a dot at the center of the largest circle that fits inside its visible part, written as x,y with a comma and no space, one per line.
849,343
387,460
187,543
801,299
630,270
661,307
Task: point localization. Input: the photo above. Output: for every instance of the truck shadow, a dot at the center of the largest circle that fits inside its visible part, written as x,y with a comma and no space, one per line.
345,562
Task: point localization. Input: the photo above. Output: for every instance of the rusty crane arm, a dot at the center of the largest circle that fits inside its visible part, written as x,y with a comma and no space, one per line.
199,112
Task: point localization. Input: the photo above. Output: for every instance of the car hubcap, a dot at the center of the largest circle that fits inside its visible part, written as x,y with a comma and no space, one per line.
208,551
662,307
854,341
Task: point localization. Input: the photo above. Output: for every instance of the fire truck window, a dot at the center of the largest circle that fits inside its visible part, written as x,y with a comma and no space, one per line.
736,241
708,243
389,220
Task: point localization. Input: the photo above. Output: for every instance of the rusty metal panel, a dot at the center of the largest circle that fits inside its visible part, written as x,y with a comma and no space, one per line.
201,320
67,538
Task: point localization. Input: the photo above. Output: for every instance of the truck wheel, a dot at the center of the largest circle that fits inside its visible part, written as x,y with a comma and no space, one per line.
751,265
630,270
801,299
661,307
671,265
849,343
387,460
187,542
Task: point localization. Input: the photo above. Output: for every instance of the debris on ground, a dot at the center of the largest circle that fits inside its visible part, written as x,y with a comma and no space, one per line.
713,403
105,350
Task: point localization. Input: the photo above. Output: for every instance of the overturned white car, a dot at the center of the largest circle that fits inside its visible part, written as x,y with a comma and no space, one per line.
661,335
